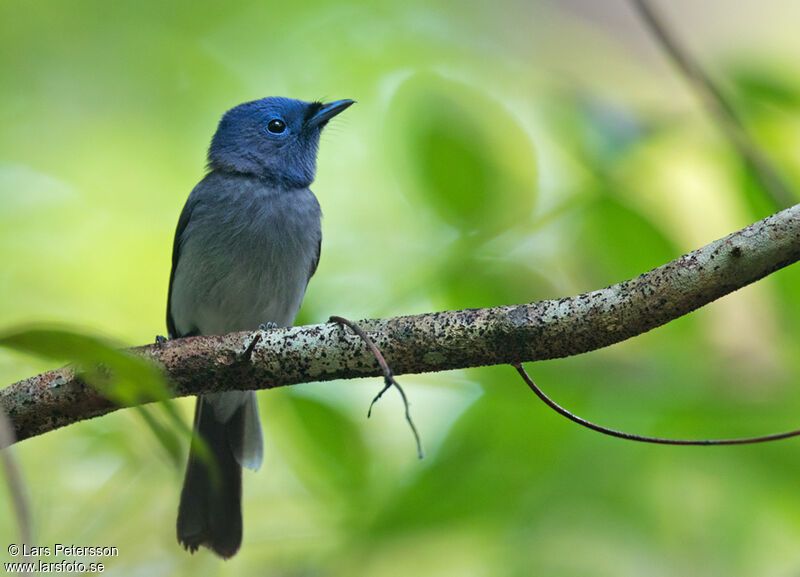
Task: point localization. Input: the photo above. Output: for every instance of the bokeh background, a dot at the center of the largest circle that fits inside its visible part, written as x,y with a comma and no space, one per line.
500,152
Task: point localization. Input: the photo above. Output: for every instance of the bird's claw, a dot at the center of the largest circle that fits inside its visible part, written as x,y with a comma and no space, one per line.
248,351
160,340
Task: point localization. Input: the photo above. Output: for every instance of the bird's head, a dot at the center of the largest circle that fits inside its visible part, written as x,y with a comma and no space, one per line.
273,138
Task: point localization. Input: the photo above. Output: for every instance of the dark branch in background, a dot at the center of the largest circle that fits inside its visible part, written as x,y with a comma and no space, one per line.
16,486
431,342
643,438
721,110
388,378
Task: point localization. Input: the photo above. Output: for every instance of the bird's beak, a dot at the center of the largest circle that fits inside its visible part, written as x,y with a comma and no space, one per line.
328,111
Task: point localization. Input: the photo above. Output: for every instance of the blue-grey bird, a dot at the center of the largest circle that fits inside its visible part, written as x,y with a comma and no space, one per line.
247,242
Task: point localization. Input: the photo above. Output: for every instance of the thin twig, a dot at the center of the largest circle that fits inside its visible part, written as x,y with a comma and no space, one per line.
388,377
387,385
16,486
643,438
721,110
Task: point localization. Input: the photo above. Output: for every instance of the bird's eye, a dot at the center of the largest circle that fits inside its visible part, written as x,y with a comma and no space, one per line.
276,126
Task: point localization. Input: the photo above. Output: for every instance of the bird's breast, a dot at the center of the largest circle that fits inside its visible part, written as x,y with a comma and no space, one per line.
245,260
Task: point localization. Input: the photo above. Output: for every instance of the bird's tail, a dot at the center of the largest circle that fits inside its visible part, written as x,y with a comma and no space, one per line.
210,511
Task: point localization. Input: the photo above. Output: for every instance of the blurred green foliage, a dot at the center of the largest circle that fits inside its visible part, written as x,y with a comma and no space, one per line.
499,153
122,377
462,155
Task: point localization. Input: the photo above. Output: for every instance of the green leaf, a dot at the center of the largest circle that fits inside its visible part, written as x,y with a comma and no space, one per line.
324,446
124,378
495,457
462,155
765,84
489,282
170,441
616,242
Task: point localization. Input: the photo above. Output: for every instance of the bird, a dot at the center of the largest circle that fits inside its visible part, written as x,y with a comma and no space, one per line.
247,242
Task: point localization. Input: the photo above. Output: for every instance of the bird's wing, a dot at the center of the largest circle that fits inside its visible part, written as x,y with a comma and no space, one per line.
183,221
315,261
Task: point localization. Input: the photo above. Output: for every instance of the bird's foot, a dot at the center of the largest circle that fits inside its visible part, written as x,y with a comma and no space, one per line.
248,351
160,340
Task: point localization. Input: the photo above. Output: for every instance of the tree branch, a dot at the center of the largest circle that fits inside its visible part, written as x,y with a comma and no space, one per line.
721,110
435,341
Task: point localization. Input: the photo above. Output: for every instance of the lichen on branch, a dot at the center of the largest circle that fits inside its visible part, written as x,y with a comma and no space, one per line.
434,341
